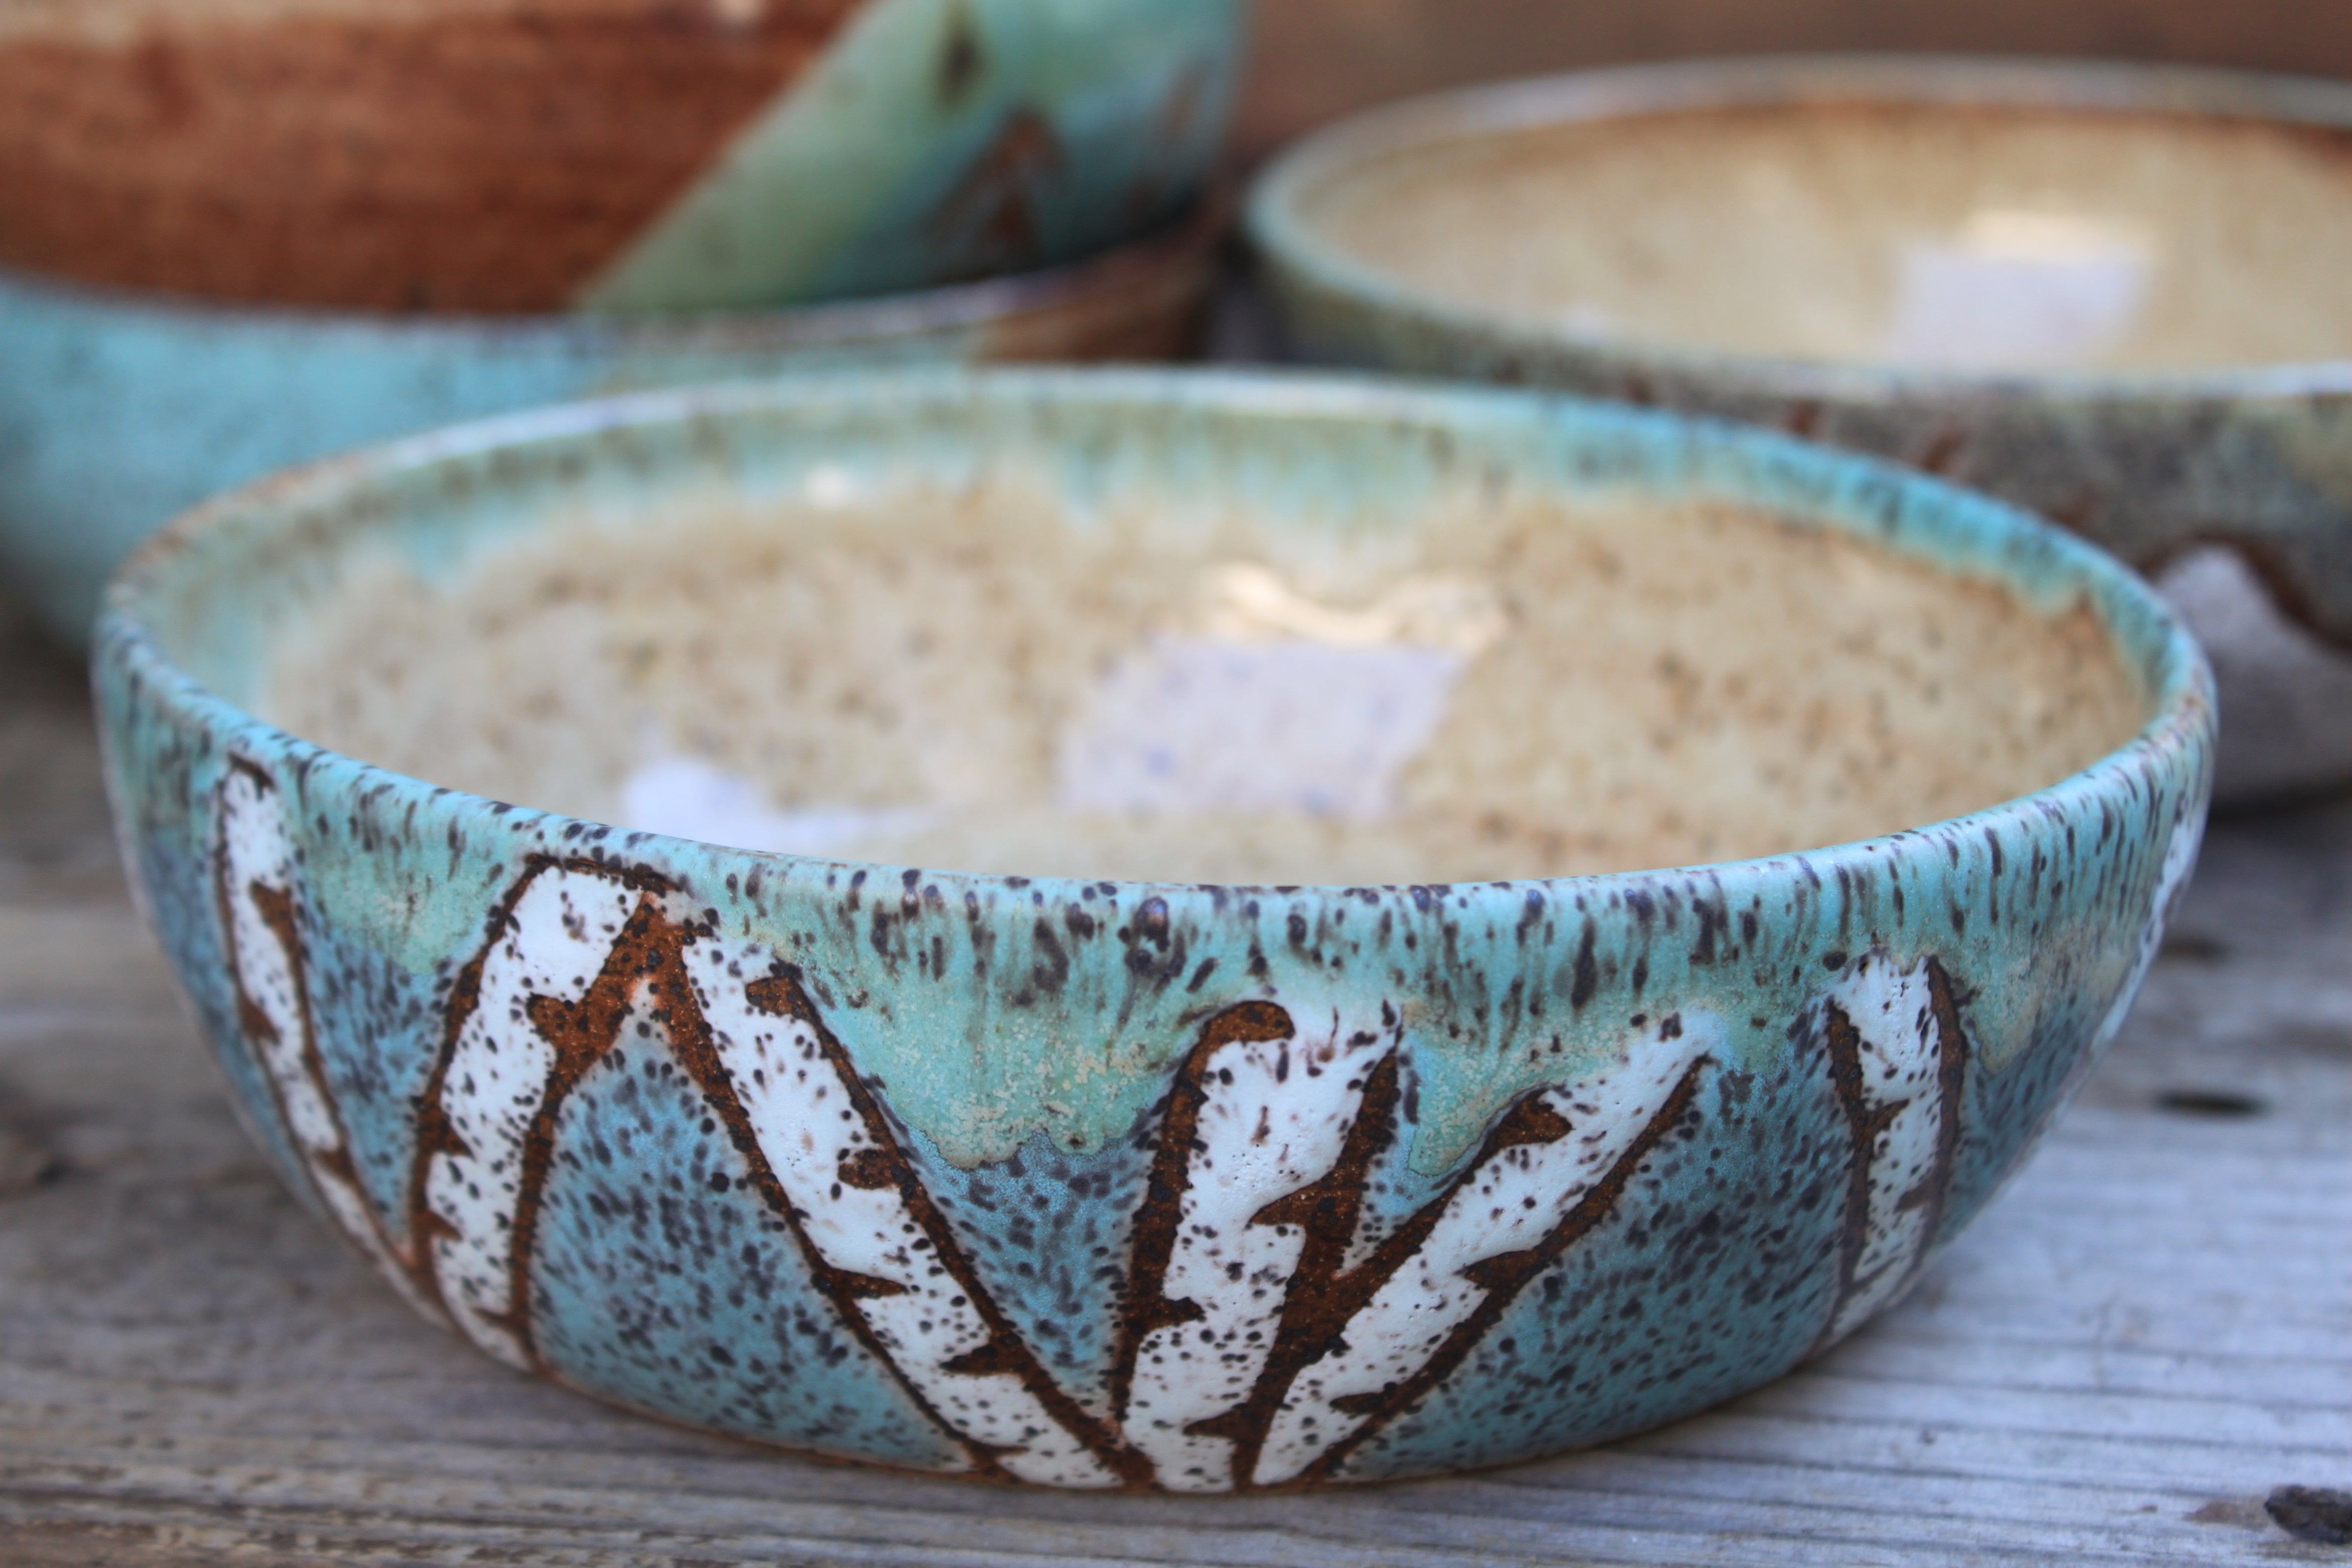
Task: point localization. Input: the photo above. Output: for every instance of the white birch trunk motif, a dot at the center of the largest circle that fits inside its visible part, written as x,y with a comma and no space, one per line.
1272,1327
1275,1116
1508,1203
1899,1059
891,1265
555,943
262,911
2179,860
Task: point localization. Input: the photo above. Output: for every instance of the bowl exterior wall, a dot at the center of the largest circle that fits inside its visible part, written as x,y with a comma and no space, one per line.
1123,1185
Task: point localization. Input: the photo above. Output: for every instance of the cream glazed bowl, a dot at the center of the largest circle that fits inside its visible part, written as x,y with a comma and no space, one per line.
1114,930
2112,294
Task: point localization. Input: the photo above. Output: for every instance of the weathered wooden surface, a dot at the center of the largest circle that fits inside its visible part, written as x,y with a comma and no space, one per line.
2147,1334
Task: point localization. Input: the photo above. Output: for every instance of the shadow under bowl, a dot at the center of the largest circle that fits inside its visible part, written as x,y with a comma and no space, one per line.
118,410
1199,1010
2112,294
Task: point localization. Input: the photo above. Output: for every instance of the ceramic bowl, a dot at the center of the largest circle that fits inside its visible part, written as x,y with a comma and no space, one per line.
2111,293
1196,1012
119,410
523,155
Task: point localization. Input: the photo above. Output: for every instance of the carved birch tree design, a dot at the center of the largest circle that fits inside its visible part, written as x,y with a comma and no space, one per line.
1265,1341
1271,1325
257,889
1898,1059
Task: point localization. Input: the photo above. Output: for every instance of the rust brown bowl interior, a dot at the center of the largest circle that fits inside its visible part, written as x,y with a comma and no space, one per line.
392,155
514,156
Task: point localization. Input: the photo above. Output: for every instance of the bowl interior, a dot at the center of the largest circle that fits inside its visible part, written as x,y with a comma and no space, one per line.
1946,235
1274,634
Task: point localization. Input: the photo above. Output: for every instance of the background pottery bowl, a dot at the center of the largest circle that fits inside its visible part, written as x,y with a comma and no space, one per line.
2111,293
1325,1146
517,155
118,410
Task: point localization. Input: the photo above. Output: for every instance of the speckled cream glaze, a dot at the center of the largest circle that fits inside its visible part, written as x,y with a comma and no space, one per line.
2232,425
990,680
1133,1186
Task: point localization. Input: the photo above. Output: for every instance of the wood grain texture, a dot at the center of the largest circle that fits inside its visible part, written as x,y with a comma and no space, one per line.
2147,1333
1318,59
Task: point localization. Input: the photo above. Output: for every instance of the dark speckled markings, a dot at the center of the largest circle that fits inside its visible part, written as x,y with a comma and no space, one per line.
1255,1290
1898,1059
667,977
1111,1185
258,895
580,953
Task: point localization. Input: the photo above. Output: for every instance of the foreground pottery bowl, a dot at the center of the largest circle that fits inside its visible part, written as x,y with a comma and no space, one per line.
524,155
118,411
2112,294
1156,1068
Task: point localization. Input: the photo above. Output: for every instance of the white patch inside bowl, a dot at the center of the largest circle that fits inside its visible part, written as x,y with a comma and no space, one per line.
1284,705
686,798
2019,289
1203,729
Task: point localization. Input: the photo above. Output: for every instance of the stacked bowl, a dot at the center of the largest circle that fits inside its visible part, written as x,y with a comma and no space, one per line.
238,235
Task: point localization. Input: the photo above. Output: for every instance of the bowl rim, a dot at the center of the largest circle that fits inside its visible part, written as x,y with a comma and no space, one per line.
2178,734
1190,236
1275,223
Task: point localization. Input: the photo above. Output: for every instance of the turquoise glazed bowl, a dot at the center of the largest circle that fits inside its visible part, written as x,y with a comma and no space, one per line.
1049,1099
2112,294
118,410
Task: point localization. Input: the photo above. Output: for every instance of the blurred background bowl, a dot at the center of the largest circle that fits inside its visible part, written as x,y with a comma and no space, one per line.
118,409
2113,293
521,155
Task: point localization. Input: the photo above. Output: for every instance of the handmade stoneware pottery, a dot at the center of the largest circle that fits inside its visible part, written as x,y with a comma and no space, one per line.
522,156
2113,294
118,410
1193,1001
